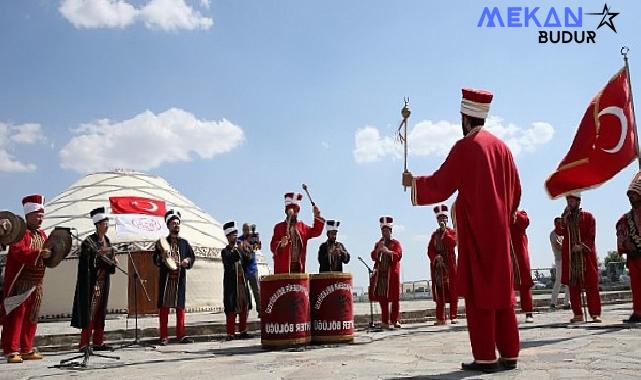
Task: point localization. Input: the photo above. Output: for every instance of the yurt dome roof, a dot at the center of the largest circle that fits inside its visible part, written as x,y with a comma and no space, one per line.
71,208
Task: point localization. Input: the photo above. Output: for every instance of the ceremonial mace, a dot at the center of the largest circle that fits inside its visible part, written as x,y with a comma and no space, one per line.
402,137
308,196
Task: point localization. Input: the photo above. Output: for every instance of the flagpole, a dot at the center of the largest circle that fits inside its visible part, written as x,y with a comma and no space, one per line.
624,53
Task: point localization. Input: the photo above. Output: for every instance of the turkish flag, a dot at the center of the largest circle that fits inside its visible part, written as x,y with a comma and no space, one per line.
137,205
139,217
603,145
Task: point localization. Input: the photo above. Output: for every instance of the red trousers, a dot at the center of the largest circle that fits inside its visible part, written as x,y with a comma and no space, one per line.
492,330
18,331
98,336
385,316
592,296
525,297
440,308
231,321
180,323
634,265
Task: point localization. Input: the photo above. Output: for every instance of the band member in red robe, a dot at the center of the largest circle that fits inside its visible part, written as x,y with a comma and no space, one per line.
481,168
385,284
172,282
629,243
92,283
579,259
236,297
23,285
289,241
521,261
442,255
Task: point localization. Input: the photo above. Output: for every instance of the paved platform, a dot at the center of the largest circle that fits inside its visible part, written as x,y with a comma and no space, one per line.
550,350
60,336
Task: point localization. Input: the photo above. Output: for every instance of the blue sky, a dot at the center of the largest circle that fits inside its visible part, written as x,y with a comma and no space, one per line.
301,80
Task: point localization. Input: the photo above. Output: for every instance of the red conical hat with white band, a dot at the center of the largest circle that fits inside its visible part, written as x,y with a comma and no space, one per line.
476,103
635,185
33,203
292,200
440,210
386,221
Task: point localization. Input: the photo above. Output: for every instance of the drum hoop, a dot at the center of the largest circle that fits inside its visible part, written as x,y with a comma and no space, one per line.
331,276
332,338
283,343
285,276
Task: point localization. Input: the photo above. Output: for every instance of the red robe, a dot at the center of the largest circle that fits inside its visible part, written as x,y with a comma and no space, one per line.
394,279
282,254
633,261
20,255
449,240
587,228
481,168
520,244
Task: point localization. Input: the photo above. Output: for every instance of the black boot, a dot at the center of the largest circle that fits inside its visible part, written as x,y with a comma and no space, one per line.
482,367
634,318
507,364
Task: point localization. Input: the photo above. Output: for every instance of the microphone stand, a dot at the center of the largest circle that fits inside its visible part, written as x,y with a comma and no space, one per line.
137,341
86,351
371,326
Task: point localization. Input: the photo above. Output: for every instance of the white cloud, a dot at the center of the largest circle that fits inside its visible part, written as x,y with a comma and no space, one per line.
519,139
204,3
371,147
11,135
147,141
429,138
29,133
98,13
173,15
168,15
325,144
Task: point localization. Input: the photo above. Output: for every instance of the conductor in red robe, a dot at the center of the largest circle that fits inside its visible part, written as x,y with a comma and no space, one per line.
579,259
442,255
289,241
629,243
481,168
23,285
522,273
385,283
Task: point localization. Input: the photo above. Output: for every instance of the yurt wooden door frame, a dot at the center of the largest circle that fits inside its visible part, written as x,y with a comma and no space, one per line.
149,274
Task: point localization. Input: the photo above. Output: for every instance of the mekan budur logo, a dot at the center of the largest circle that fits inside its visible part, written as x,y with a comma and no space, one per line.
556,25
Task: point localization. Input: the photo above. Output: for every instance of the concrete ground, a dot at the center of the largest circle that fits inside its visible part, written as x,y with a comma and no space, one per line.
550,350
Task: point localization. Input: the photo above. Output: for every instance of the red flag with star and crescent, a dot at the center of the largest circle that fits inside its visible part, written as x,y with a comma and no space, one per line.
604,143
138,217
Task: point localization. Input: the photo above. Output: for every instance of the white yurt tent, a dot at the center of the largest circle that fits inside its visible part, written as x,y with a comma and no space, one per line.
71,208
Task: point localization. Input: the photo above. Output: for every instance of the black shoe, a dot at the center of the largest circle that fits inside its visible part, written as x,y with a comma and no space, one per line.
186,340
634,318
104,347
244,335
552,306
507,364
163,342
482,367
229,337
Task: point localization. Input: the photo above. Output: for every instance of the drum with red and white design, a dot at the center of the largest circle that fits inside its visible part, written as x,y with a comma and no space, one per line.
284,306
331,306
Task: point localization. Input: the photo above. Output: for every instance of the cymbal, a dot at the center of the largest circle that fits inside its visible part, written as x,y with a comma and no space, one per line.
12,228
59,242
